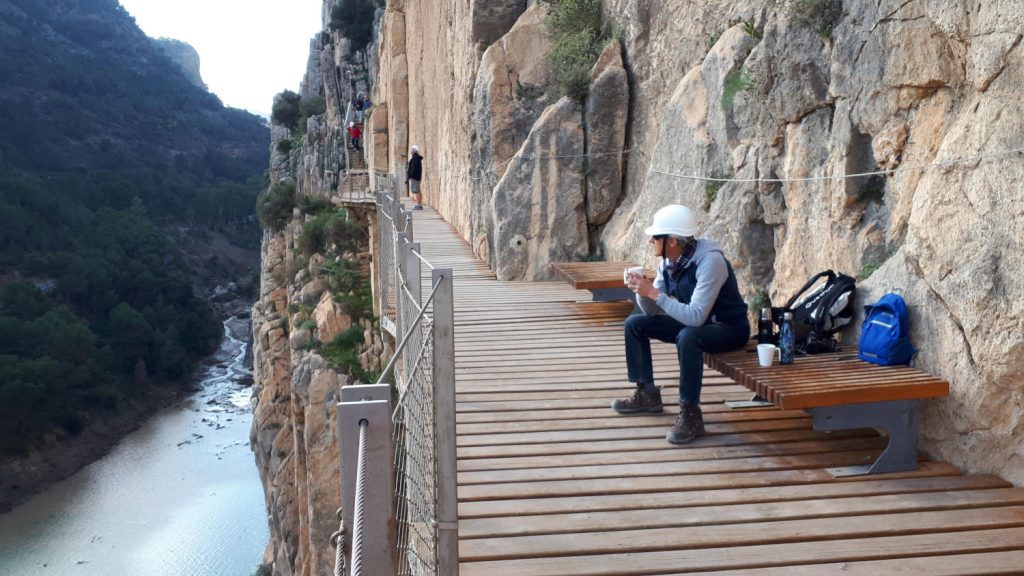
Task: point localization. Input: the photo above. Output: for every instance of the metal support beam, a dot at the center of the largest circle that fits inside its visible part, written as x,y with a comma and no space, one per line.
898,418
378,511
444,423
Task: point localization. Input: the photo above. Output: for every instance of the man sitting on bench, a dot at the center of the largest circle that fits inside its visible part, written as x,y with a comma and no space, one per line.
694,302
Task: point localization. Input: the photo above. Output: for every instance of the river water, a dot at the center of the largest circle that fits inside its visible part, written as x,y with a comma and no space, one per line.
180,496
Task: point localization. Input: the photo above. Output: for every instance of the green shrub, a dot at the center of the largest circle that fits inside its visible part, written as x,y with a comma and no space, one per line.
872,189
526,91
819,15
343,352
315,205
578,34
285,110
274,206
736,81
712,38
760,300
352,287
868,268
710,193
329,229
752,30
311,106
284,146
354,18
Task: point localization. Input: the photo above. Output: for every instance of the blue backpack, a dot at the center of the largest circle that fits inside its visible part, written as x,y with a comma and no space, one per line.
885,334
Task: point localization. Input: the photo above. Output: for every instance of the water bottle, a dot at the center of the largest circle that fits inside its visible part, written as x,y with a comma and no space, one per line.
764,327
786,343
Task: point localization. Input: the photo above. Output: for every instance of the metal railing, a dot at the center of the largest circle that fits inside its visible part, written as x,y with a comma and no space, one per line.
344,138
416,512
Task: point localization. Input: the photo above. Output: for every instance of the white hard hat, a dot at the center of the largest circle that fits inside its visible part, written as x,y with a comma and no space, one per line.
351,124
674,220
414,148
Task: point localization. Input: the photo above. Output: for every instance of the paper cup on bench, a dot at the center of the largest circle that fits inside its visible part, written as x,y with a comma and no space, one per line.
633,270
766,354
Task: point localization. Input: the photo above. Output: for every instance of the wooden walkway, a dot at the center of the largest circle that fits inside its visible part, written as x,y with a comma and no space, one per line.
552,482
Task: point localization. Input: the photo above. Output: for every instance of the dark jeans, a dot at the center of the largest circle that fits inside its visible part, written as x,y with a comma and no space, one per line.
691,343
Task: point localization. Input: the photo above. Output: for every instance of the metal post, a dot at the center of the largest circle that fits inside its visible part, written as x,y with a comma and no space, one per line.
400,275
375,243
372,404
415,283
413,271
444,423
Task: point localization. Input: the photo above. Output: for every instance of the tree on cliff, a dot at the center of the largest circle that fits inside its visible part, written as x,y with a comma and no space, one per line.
354,19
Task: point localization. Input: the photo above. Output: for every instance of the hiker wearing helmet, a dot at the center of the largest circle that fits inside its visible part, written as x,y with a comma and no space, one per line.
695,303
354,134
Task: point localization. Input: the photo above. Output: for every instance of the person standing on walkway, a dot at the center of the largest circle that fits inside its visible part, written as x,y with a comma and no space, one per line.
357,106
694,303
355,134
413,175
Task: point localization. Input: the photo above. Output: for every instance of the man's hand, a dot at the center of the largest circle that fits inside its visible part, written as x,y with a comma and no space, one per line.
641,285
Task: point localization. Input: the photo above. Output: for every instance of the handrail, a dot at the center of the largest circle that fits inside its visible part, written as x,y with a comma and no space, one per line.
344,139
360,504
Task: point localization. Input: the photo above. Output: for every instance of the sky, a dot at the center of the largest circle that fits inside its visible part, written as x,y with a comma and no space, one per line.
249,50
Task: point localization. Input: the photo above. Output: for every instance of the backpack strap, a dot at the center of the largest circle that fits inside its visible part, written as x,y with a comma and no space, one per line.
827,273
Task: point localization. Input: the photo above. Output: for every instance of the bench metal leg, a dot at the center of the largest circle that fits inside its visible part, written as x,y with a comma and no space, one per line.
898,418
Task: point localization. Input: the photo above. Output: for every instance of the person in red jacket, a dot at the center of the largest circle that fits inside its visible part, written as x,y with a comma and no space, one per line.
354,133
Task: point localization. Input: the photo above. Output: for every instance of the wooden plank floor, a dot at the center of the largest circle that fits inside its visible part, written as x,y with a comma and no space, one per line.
552,482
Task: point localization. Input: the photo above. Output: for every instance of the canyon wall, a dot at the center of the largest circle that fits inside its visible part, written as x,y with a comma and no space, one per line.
294,434
920,97
926,92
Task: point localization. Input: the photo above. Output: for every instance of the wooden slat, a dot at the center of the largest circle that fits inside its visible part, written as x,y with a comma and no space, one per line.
978,564
740,556
929,477
652,520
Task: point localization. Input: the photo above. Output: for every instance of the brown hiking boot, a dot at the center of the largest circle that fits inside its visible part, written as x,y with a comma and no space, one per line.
641,402
689,425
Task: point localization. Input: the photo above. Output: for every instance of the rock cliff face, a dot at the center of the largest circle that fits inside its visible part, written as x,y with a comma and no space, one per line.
294,433
749,91
924,95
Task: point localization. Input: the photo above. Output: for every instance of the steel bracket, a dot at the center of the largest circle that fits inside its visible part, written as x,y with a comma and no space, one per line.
897,417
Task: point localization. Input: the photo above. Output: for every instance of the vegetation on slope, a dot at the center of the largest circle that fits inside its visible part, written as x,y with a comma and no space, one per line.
104,144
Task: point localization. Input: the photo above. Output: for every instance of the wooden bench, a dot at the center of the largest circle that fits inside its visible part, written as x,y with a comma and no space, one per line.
603,279
841,392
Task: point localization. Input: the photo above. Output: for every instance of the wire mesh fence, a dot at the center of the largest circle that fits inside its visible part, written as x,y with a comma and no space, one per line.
423,376
415,463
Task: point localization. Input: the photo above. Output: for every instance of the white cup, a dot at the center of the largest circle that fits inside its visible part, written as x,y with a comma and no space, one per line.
634,271
766,354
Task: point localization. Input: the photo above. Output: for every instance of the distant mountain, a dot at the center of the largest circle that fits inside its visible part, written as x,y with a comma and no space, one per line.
86,96
105,144
185,56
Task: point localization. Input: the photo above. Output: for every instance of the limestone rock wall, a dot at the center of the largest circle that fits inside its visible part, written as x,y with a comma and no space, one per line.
294,433
746,91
